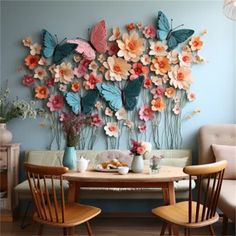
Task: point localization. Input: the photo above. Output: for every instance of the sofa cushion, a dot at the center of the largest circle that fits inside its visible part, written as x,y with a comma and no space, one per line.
228,153
178,161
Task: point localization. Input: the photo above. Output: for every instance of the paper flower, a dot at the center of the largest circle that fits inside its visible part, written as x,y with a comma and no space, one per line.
173,57
131,47
176,109
129,124
93,66
35,49
64,73
146,113
75,87
55,103
116,34
40,73
62,87
130,26
91,80
158,49
180,77
137,70
112,48
96,120
185,59
102,58
118,69
149,31
28,80
191,96
32,61
196,43
157,80
82,68
43,61
158,105
121,114
160,65
145,59
147,83
41,92
27,41
111,129
157,92
170,92
108,112
98,105
142,127
50,82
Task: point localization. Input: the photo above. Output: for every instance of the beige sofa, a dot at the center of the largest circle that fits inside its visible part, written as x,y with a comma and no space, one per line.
179,158
224,134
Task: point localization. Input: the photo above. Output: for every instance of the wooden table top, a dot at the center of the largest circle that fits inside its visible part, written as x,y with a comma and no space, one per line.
166,174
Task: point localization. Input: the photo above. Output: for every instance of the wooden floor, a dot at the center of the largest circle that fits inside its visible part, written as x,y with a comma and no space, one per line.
107,227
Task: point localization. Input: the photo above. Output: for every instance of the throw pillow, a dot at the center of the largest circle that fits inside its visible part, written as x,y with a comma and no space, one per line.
228,153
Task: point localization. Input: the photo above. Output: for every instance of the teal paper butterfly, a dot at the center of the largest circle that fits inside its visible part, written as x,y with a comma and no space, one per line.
173,37
52,49
85,104
117,98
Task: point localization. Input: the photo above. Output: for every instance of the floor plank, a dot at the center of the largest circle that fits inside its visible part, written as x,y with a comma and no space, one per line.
107,227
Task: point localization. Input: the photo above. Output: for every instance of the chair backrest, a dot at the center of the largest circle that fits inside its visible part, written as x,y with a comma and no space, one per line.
49,203
206,204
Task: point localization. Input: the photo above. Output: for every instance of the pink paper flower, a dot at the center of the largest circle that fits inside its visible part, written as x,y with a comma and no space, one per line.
91,80
147,83
28,80
50,82
142,127
146,113
82,68
112,48
56,102
191,96
149,31
137,70
158,92
112,129
96,120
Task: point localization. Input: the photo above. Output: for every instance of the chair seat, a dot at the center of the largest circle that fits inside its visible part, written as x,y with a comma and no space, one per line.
75,214
178,214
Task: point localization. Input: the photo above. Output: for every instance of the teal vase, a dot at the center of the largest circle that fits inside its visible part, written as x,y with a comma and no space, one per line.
137,164
69,158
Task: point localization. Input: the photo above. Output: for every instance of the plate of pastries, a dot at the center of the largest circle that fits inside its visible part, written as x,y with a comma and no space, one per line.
110,165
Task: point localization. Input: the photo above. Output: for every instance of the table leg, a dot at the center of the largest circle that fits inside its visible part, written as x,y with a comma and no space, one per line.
72,192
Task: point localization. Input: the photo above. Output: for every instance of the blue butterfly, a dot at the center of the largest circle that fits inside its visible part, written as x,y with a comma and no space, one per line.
85,104
52,49
165,32
116,98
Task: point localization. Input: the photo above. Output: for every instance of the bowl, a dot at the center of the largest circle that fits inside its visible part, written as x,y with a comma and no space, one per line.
123,170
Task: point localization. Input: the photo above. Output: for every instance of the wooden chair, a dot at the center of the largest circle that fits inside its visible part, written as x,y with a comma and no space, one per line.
195,214
50,205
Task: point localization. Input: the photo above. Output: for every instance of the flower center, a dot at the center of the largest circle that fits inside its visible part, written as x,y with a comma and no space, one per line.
117,68
62,72
180,76
131,45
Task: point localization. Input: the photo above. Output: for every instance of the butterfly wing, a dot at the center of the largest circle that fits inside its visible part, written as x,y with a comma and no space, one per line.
131,92
62,51
163,26
89,100
84,48
111,94
98,37
49,44
73,100
178,36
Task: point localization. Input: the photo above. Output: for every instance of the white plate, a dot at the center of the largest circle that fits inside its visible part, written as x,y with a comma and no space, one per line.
106,170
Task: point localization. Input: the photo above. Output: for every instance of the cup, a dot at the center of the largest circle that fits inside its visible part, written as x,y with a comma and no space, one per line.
123,170
82,164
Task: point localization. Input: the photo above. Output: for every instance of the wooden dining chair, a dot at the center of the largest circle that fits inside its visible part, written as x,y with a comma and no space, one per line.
202,212
50,205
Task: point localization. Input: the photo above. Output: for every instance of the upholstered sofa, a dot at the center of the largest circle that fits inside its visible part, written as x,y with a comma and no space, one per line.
179,158
211,136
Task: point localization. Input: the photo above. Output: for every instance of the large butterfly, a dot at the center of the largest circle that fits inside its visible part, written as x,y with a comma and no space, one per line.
173,37
52,49
117,98
85,104
97,41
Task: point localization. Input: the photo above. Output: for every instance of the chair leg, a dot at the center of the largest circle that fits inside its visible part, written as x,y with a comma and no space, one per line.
225,225
186,231
89,230
40,232
65,231
163,228
212,230
23,224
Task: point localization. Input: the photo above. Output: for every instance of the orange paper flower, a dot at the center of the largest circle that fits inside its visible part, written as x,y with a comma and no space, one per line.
170,92
196,43
75,87
160,65
32,61
158,105
41,92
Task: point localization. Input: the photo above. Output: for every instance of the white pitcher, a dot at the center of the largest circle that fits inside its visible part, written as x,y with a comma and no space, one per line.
82,164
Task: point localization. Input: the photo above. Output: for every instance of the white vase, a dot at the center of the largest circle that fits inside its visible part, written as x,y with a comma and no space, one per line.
137,164
5,134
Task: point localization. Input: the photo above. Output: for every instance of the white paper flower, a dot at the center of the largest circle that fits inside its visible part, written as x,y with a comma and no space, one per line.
111,129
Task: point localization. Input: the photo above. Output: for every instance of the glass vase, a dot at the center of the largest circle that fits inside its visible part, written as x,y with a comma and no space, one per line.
137,164
69,158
